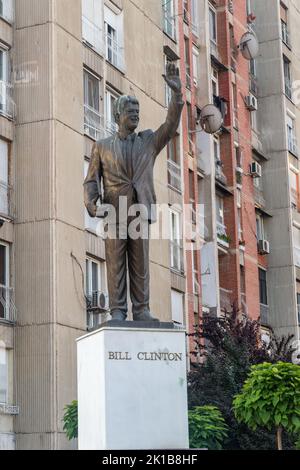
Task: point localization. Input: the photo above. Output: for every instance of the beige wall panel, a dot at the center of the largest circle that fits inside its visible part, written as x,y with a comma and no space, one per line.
152,10
68,80
159,252
94,245
32,12
93,61
32,62
34,273
33,172
69,175
34,379
67,13
36,441
6,128
6,335
6,232
69,281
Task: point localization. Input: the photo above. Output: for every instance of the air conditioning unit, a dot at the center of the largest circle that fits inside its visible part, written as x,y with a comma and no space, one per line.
251,102
263,247
255,170
99,301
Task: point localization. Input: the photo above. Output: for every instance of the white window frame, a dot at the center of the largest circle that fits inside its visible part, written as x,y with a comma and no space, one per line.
92,116
212,14
92,21
4,364
7,11
215,81
195,55
291,134
169,23
176,241
5,288
177,310
260,227
92,224
114,45
111,125
217,149
220,219
101,275
168,90
4,177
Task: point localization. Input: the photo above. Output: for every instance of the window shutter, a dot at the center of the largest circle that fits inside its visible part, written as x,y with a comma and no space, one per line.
92,23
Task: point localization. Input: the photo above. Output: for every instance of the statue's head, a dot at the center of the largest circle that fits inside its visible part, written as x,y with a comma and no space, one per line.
127,112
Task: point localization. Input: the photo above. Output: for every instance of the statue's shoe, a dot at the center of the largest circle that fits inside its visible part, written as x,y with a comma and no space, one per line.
144,316
118,315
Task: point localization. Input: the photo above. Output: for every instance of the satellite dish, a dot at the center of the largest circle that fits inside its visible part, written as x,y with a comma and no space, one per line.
249,46
211,119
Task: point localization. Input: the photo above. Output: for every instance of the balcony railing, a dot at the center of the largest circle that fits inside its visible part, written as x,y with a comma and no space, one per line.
169,24
8,311
222,236
174,175
95,125
5,200
219,172
7,104
114,52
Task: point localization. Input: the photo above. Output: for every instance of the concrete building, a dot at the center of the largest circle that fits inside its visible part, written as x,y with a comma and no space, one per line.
63,63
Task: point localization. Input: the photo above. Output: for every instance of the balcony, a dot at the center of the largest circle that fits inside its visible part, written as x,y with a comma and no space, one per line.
264,315
259,197
7,104
5,200
114,52
8,311
174,176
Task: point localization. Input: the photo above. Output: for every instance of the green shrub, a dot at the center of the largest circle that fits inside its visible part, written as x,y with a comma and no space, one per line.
207,428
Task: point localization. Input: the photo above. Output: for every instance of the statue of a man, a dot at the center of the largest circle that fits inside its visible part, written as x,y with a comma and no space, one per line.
124,162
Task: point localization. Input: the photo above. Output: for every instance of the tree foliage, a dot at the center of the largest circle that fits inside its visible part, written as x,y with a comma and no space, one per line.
207,428
226,348
270,398
70,420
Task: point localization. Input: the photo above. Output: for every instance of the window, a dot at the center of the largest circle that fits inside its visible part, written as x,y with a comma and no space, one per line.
248,7
110,99
287,77
213,25
4,281
168,90
239,213
260,228
291,136
92,117
221,229
169,18
177,307
7,10
293,176
93,224
92,23
176,241
195,17
3,374
254,123
186,14
215,82
114,35
195,264
263,286
4,187
114,38
6,102
190,127
217,151
174,168
95,285
284,25
195,65
187,62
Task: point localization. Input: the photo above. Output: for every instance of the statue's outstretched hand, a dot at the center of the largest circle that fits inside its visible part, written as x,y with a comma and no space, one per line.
172,77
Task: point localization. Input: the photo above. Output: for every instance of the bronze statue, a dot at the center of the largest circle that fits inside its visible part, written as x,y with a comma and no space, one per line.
125,163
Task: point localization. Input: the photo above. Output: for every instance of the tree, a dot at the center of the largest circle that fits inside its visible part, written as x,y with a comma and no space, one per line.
207,428
271,398
70,420
227,347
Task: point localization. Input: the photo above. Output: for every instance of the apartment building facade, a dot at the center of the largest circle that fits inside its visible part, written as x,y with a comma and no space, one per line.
63,64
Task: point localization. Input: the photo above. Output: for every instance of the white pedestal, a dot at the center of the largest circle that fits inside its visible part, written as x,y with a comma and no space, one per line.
132,389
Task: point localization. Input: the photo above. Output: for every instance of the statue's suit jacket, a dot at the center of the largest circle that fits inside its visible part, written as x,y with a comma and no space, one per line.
107,162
